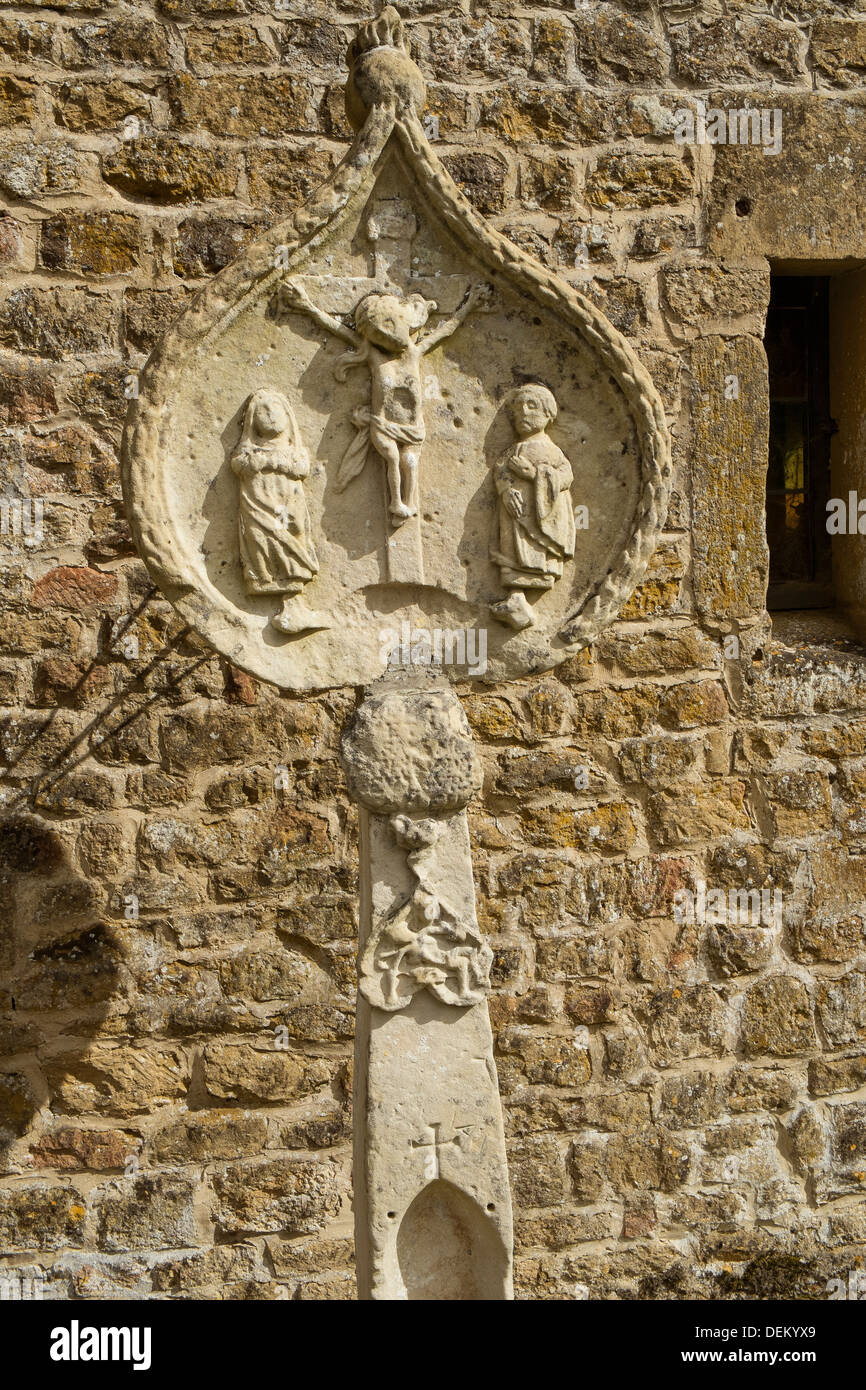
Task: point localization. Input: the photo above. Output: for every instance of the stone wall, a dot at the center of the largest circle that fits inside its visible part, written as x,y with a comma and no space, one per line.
685,1101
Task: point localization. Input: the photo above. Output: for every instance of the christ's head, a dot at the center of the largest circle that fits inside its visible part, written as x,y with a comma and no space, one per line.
388,321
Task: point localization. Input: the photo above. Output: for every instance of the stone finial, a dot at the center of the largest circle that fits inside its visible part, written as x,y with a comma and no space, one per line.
385,31
381,73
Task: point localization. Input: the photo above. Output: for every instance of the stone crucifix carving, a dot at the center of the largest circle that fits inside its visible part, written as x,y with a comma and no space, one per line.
390,338
393,298
494,427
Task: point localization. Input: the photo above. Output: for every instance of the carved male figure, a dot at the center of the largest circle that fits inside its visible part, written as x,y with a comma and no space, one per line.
536,516
387,338
276,540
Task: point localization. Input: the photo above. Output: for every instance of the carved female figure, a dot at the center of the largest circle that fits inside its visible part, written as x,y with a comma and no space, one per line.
536,516
276,541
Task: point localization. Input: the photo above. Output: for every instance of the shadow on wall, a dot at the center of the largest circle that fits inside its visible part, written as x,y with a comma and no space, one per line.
63,959
61,955
58,975
192,1063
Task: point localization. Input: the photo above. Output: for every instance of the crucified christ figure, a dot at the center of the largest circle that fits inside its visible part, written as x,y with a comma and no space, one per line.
387,338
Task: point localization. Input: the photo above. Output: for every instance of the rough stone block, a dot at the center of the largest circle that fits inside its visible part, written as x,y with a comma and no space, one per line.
154,1211
841,1007
729,477
98,243
40,1217
777,1018
117,1080
256,104
694,814
638,181
792,205
93,106
687,1021
58,323
170,170
612,47
838,50
291,1196
243,1072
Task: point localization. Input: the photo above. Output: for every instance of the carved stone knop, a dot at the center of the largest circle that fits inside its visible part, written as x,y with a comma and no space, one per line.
409,748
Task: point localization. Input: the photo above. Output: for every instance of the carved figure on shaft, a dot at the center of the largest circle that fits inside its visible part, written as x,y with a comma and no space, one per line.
536,516
425,943
387,338
274,532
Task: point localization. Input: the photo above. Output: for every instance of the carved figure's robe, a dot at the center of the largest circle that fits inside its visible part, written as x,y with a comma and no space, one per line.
276,540
534,545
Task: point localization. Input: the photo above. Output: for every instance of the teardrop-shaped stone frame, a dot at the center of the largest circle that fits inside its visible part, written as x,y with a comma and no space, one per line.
256,274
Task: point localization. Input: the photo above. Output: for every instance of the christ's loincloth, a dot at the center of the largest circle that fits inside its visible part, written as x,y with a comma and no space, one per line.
373,429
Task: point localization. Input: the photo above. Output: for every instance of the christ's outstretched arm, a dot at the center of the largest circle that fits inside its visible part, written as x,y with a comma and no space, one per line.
294,296
478,295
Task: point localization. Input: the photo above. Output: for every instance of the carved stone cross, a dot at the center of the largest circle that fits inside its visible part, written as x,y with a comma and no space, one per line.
438,1143
255,466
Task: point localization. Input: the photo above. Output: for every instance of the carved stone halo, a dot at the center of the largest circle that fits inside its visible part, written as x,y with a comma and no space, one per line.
411,484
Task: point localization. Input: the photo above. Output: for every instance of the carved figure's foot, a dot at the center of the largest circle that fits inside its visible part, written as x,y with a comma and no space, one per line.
295,617
514,611
399,512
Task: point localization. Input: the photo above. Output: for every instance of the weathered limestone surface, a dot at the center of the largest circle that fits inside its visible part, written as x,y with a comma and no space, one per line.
432,1201
654,1150
730,415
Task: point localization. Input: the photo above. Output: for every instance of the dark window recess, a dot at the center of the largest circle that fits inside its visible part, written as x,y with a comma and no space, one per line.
798,479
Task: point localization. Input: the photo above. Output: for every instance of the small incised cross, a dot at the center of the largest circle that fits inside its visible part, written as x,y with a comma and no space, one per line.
437,1143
